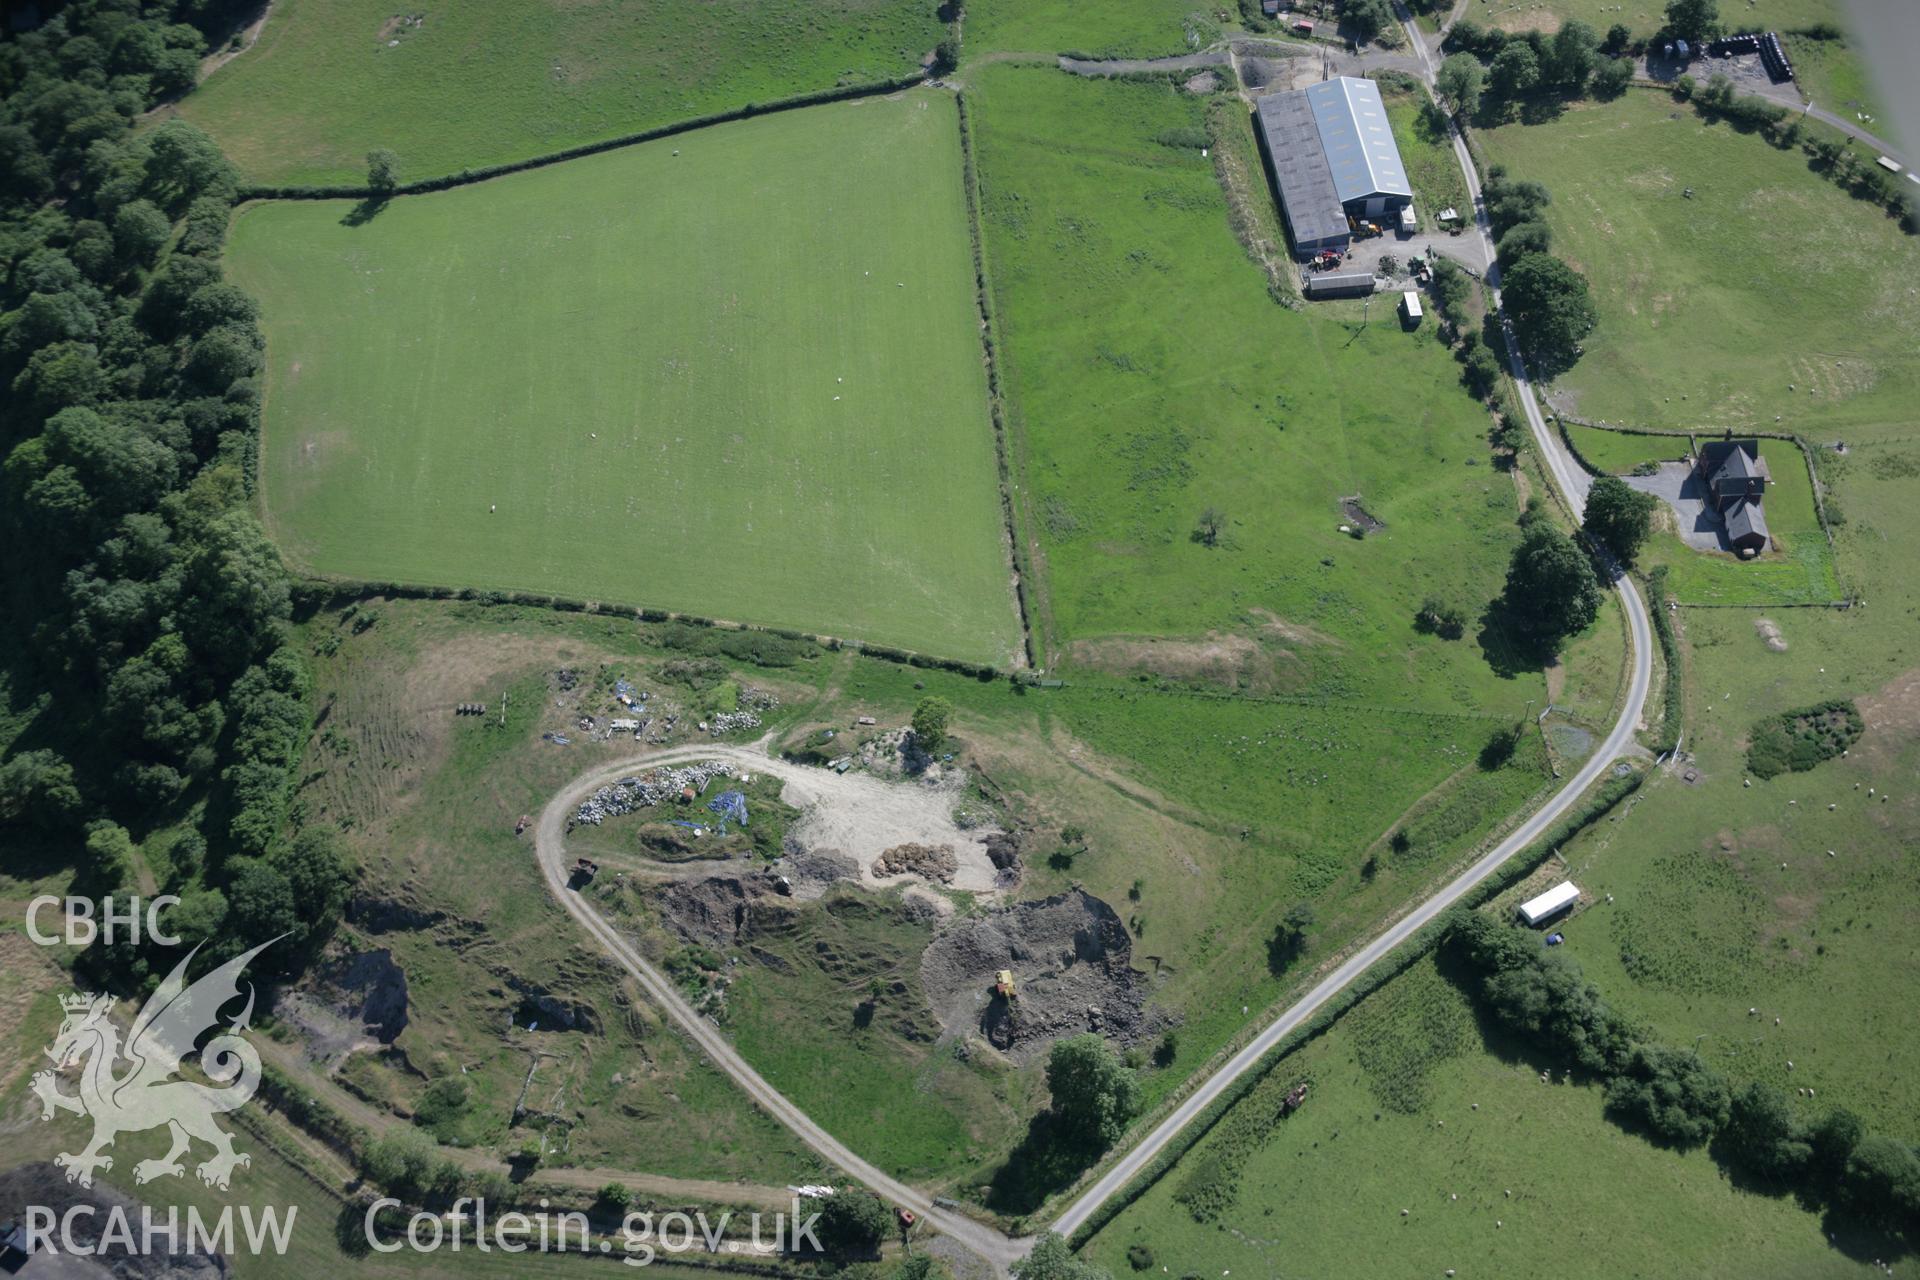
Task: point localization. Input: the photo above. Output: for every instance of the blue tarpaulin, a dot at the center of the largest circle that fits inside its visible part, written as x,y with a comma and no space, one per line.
731,806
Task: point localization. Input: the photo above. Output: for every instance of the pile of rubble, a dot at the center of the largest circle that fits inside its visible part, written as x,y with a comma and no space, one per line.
935,862
729,721
646,790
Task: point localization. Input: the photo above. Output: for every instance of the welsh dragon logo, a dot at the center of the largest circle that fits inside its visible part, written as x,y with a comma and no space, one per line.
145,1095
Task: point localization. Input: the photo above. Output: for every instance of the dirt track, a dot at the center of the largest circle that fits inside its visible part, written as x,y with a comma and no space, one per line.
834,790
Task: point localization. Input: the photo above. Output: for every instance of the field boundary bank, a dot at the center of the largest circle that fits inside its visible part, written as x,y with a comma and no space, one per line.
1607,797
1009,432
466,177
996,400
1284,700
319,591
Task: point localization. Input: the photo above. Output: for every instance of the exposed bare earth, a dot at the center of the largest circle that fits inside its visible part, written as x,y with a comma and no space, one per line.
1071,961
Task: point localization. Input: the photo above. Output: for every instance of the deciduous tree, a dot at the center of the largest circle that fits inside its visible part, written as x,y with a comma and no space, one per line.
1551,589
1619,516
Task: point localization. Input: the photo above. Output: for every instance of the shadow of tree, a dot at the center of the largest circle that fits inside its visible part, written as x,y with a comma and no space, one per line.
1045,1162
366,211
1509,648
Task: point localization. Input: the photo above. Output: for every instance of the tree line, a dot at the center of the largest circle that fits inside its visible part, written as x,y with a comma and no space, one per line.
148,614
1674,1096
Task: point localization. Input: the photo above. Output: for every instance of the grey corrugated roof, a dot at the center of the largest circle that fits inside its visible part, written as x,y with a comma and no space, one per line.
1345,282
1357,139
1300,165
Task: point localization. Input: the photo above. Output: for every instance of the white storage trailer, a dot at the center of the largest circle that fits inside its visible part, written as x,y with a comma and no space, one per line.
1551,903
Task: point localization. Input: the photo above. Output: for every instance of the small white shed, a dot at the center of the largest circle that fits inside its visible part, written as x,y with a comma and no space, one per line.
1551,903
1410,307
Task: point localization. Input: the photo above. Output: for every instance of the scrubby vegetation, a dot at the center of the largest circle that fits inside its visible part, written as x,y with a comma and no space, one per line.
1797,741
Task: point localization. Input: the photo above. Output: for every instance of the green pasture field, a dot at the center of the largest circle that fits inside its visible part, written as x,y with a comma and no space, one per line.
1126,28
1644,17
1410,1107
1302,802
1151,377
627,378
498,81
1706,322
1707,922
1617,453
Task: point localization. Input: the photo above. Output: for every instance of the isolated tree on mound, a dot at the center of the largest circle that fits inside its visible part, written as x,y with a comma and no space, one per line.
1619,516
1094,1094
383,171
1051,1259
853,1222
1552,307
1460,81
1211,527
1551,589
1693,19
930,721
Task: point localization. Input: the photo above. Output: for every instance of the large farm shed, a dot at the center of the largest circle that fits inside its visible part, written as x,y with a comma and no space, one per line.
1332,156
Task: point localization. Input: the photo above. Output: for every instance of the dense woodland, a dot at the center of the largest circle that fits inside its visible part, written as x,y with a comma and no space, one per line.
158,702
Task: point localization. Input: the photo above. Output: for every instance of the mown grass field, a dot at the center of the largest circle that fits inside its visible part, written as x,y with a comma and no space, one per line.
1151,377
1769,293
1617,453
623,378
493,82
1834,74
1390,1124
1130,28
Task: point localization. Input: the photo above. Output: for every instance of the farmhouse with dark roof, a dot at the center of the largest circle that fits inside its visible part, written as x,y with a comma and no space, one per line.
1736,477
